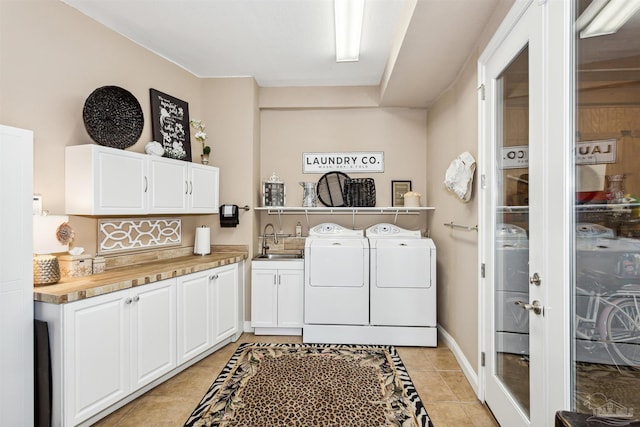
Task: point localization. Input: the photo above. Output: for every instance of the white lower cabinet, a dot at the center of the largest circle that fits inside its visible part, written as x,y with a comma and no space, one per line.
207,309
277,297
115,344
105,348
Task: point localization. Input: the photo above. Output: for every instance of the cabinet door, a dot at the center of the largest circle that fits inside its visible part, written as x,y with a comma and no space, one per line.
153,331
168,185
225,285
195,315
290,298
121,182
16,277
264,298
203,188
96,350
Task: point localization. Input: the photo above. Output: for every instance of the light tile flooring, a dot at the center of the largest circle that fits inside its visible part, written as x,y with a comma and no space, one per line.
442,386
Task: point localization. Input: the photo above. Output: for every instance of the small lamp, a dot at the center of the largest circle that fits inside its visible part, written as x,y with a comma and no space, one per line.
51,234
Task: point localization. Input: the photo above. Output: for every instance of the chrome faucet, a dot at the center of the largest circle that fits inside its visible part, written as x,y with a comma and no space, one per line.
264,237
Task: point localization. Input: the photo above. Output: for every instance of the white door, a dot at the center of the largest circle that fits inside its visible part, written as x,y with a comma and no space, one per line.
122,183
168,185
290,298
195,313
225,285
524,208
203,188
264,298
97,372
16,276
153,331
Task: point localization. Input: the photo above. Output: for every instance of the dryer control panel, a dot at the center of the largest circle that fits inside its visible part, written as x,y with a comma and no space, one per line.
390,230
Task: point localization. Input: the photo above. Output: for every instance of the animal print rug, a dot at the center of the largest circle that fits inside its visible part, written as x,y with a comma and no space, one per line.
312,385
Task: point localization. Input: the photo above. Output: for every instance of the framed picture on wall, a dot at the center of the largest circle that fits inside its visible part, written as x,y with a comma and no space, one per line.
398,189
170,125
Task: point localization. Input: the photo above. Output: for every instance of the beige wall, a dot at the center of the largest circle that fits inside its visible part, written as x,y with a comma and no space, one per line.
230,111
452,128
53,57
400,133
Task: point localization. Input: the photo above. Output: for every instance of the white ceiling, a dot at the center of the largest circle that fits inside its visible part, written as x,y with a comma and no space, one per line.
291,42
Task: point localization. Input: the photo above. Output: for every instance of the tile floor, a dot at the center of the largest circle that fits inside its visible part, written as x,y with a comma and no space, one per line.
443,388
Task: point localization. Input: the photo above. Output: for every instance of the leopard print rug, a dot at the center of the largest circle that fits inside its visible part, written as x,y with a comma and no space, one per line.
268,385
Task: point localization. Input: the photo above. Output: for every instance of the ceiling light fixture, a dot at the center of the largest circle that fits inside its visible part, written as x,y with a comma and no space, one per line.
348,21
609,17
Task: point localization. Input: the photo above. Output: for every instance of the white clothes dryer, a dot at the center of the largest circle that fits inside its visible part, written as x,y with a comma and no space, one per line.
336,271
403,278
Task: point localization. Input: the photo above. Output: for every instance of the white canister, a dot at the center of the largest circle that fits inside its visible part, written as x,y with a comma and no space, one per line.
411,199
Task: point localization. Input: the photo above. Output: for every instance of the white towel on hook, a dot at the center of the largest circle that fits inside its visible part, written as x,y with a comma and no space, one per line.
459,176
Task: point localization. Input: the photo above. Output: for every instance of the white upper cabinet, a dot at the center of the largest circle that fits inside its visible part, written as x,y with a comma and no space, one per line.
168,185
106,181
204,182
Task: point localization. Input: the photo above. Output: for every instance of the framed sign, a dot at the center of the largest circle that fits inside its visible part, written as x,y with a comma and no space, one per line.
596,152
365,162
170,125
398,190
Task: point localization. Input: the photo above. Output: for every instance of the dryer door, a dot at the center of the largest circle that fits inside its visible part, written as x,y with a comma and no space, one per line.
337,262
403,263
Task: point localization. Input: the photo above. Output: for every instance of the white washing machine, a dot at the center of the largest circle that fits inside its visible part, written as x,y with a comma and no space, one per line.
336,276
512,284
403,277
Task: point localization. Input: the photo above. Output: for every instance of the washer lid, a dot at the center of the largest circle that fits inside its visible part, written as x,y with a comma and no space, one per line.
390,230
329,229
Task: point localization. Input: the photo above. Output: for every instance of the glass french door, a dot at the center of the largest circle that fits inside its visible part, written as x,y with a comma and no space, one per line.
606,289
524,208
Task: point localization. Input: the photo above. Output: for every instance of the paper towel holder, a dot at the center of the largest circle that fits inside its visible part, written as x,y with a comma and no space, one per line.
202,241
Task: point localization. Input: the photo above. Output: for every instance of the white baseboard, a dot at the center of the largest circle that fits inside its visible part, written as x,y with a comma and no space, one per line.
467,368
247,326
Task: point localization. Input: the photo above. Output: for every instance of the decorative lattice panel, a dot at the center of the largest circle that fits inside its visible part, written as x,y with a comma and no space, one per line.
117,235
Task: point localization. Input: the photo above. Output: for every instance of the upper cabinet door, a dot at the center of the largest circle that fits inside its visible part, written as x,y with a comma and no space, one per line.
104,181
204,189
168,185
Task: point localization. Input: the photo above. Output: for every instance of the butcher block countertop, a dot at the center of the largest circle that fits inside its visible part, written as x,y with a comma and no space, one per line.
116,279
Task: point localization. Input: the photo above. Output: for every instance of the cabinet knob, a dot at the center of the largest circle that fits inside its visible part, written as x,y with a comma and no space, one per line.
213,277
136,298
127,301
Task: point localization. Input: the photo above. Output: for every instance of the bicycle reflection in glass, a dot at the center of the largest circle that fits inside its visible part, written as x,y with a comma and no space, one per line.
608,311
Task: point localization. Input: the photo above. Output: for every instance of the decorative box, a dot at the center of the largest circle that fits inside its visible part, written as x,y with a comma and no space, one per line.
99,264
75,265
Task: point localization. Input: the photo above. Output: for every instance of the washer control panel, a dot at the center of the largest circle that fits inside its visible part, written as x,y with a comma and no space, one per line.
390,230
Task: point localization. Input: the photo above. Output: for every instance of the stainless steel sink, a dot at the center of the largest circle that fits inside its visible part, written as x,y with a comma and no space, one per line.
277,257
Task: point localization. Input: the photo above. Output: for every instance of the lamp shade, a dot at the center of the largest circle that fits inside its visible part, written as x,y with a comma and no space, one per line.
45,229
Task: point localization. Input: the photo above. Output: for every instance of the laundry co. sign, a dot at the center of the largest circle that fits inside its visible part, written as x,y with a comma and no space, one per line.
343,162
587,153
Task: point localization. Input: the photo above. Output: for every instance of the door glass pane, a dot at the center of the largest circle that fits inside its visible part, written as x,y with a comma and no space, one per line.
512,228
606,359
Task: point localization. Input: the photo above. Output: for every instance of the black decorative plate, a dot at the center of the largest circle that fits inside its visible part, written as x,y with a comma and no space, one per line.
113,117
330,189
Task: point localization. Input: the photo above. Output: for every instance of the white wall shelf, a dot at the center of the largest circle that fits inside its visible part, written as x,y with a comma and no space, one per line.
322,210
353,211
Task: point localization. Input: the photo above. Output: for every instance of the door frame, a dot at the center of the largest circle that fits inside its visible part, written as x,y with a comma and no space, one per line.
555,206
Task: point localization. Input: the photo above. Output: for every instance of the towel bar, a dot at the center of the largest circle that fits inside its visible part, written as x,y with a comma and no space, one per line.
461,227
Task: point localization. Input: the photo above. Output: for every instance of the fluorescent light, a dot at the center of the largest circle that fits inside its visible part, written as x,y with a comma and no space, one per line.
610,18
348,20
